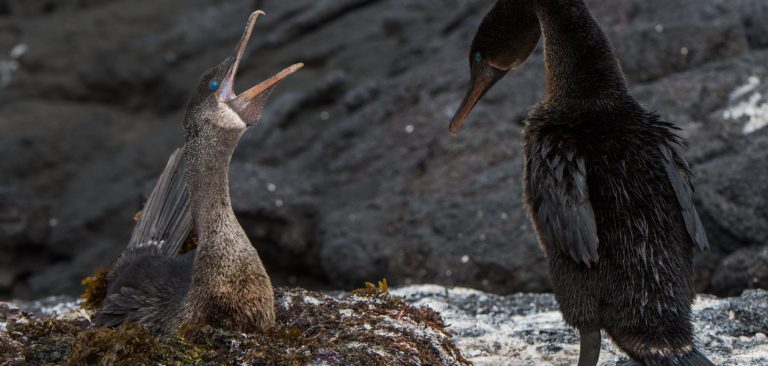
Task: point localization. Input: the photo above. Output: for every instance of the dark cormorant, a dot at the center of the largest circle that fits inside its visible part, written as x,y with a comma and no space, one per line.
223,282
605,184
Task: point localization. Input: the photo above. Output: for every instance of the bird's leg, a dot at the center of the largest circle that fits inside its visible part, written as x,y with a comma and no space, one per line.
589,352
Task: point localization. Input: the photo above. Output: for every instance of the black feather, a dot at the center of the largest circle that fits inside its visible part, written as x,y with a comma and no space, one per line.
563,209
680,182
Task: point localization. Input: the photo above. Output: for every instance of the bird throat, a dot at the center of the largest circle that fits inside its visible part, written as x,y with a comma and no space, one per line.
208,178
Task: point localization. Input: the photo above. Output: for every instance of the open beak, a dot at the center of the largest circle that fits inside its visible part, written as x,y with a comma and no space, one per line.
483,78
249,104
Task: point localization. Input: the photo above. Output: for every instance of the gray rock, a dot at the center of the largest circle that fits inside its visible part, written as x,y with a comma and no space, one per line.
648,52
527,329
733,189
753,14
38,7
744,268
61,151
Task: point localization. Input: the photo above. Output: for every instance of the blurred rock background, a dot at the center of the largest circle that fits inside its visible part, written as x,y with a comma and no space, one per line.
352,174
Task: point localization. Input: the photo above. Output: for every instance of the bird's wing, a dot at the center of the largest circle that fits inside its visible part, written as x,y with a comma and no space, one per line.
121,306
166,219
561,205
679,175
146,289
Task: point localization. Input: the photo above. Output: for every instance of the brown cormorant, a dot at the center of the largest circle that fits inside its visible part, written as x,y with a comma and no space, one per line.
605,184
223,282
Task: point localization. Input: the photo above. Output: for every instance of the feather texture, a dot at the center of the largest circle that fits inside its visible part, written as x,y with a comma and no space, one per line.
679,176
561,202
166,219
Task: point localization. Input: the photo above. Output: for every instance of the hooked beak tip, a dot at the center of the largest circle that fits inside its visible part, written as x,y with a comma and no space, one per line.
482,81
249,103
227,92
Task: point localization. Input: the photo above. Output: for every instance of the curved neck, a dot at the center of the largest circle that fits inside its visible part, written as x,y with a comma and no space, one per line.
208,158
577,54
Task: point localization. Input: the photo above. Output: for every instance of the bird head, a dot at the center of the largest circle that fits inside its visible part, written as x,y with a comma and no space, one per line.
214,104
505,39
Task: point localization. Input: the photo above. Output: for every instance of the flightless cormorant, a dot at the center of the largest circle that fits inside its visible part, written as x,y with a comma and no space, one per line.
223,282
605,184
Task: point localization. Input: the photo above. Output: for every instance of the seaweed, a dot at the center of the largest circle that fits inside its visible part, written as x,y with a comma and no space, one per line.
95,291
379,291
370,327
131,344
44,341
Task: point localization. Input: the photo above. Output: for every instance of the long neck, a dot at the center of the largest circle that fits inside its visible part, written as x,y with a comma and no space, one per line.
208,157
577,52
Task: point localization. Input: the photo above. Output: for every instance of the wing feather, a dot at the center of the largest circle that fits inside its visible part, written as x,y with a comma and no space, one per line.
679,177
562,208
166,219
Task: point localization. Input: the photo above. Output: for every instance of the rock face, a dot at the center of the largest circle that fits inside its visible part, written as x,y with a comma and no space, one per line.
492,330
744,268
352,174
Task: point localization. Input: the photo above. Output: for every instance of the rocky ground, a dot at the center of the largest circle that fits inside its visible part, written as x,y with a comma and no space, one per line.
368,327
493,330
352,174
528,330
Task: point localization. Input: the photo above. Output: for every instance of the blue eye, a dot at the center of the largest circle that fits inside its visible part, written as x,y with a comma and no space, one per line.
214,85
478,56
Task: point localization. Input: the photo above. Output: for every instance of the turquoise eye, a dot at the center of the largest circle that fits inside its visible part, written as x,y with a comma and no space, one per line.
478,57
214,85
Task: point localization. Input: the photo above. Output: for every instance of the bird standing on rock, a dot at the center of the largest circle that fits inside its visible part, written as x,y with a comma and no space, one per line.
223,282
605,184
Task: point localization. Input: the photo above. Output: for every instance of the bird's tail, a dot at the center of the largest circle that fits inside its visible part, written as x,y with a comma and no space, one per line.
693,358
166,220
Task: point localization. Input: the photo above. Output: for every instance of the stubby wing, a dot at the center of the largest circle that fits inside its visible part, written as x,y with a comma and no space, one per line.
166,219
679,175
148,275
123,305
561,205
148,290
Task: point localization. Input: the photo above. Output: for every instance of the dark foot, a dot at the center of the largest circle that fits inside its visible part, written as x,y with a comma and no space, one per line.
694,358
590,347
627,363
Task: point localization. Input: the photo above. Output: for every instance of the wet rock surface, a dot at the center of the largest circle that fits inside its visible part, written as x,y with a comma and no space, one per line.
352,174
527,329
513,330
